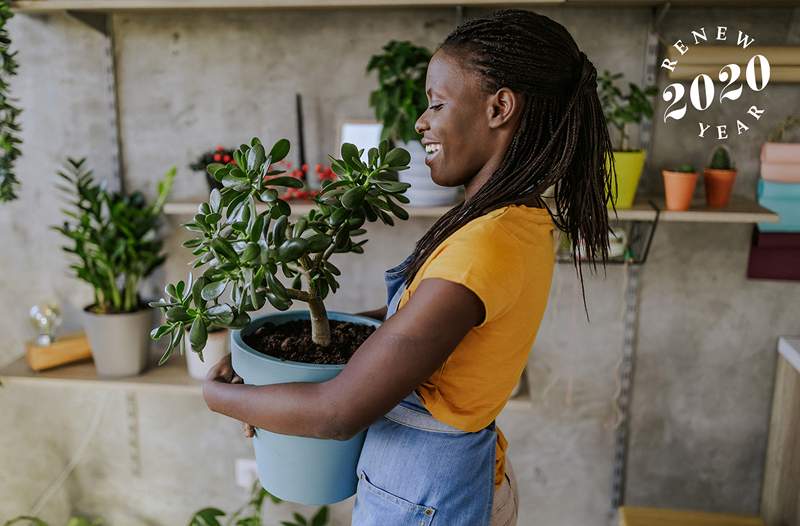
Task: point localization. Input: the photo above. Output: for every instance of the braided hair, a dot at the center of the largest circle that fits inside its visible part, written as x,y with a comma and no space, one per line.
561,139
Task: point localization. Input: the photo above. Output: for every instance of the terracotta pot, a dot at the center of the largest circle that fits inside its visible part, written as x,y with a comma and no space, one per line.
678,188
719,184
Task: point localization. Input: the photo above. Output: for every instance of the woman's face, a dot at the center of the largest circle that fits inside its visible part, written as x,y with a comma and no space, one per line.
455,128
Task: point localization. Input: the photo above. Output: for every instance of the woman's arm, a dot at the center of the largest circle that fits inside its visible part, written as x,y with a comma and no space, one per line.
401,354
375,314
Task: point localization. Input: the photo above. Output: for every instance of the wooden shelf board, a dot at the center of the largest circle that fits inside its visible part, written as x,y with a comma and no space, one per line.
172,376
39,6
33,6
740,210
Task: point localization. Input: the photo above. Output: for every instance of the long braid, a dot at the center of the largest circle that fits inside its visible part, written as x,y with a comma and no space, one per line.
562,138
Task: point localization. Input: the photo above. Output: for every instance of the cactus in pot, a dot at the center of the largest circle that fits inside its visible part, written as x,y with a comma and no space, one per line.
252,247
719,177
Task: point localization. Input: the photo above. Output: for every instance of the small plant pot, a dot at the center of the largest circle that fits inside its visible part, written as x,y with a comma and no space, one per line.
215,350
719,184
120,342
629,166
298,469
678,188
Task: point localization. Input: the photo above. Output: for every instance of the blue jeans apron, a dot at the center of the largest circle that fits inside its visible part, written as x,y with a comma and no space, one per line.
417,471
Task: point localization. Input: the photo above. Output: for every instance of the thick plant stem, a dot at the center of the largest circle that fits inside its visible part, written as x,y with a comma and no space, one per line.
320,327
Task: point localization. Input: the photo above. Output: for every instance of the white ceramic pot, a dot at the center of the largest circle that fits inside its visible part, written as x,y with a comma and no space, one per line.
215,350
423,191
119,342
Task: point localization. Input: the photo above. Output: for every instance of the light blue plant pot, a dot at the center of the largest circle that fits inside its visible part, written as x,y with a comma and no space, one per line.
298,469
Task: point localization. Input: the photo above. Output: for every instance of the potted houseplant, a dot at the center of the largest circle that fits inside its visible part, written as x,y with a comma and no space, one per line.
780,159
398,101
622,111
220,154
249,253
679,186
9,112
719,177
114,237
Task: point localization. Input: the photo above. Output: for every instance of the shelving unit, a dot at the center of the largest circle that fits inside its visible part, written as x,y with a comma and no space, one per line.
185,208
172,377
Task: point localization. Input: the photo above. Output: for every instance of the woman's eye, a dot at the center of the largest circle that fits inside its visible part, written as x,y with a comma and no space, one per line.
435,107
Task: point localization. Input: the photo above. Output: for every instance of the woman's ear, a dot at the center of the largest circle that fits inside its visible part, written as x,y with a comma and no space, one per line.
503,106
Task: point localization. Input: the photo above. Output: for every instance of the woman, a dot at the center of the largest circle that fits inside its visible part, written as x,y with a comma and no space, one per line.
513,111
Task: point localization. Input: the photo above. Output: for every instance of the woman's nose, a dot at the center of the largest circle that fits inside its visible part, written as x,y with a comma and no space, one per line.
422,123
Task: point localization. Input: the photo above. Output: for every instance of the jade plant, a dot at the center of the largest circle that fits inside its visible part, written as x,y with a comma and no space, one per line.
721,160
249,243
113,235
9,113
400,97
622,110
685,168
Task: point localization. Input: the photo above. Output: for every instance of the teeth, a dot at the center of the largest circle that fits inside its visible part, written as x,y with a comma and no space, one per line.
432,148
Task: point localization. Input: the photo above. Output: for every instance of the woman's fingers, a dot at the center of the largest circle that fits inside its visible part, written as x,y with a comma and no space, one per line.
248,430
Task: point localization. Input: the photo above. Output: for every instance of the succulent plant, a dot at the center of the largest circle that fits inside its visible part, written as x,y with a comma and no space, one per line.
721,160
247,239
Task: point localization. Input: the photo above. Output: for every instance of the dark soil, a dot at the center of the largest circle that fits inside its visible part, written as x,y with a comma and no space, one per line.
292,341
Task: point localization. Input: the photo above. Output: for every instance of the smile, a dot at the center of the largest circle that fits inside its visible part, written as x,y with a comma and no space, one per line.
431,150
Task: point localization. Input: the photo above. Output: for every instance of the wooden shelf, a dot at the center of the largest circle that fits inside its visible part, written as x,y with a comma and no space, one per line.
39,6
740,210
172,377
299,207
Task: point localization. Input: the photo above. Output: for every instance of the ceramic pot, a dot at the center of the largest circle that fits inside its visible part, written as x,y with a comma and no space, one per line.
679,188
298,469
120,342
629,166
719,184
215,350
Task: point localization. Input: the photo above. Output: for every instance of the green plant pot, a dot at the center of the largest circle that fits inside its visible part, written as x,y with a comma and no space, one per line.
629,166
298,469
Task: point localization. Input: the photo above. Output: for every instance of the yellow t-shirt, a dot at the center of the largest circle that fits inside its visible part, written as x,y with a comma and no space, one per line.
506,258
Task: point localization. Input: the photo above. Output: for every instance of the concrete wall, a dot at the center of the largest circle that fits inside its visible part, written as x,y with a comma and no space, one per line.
188,81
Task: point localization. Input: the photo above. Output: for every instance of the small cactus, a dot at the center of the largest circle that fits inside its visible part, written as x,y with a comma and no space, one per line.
685,168
721,160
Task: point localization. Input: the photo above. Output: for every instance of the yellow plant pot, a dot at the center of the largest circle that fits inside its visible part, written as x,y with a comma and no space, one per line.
629,166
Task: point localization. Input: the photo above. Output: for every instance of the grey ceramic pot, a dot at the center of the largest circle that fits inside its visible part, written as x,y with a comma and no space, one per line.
120,342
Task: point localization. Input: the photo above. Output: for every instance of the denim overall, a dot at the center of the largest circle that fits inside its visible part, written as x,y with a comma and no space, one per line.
417,471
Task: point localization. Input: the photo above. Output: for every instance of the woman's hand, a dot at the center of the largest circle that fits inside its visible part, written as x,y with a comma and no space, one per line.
223,372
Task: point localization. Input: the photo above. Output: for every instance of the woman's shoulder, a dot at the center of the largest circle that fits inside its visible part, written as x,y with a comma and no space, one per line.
515,223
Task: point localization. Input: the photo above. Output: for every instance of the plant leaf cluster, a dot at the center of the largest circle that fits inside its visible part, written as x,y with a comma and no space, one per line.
253,250
114,236
623,109
400,97
9,112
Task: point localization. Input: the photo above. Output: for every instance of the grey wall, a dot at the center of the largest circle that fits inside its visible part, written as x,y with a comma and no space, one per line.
188,81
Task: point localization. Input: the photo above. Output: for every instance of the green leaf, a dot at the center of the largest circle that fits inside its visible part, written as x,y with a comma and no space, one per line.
318,243
160,331
279,230
398,157
279,150
257,229
250,253
285,180
222,314
353,198
276,302
349,152
321,518
292,249
178,314
213,290
206,517
198,334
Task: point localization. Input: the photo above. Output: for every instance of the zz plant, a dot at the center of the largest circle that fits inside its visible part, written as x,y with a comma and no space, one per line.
400,97
113,235
249,252
621,109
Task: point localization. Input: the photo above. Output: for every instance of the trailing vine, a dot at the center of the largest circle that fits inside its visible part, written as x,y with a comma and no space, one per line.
9,127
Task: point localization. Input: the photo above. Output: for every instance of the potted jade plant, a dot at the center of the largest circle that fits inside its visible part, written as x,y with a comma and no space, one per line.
679,186
622,111
249,243
398,101
114,237
719,177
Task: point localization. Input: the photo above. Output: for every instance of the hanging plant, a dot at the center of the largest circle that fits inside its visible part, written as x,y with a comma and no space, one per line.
9,113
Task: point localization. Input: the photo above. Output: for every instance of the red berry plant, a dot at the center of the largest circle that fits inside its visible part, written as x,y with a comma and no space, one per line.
245,247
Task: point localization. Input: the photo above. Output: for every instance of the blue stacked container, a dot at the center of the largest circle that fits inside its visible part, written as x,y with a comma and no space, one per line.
784,200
